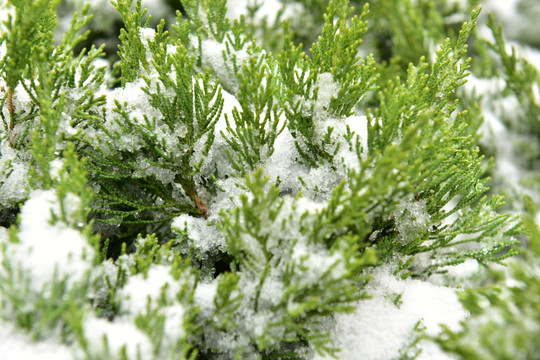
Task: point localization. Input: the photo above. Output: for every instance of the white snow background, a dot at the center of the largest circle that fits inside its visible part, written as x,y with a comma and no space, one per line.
377,330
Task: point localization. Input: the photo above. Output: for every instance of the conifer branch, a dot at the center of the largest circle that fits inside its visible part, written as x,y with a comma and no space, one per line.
235,194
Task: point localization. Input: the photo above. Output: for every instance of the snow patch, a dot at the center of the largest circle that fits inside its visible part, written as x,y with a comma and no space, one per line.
13,175
216,57
379,328
108,340
267,9
412,218
16,344
46,251
205,238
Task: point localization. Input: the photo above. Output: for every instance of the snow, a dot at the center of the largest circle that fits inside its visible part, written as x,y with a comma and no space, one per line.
204,295
108,340
328,89
216,57
13,175
203,238
412,218
519,18
316,262
154,292
317,183
49,252
166,176
141,290
105,14
15,344
356,124
379,329
7,9
266,9
282,163
496,106
382,325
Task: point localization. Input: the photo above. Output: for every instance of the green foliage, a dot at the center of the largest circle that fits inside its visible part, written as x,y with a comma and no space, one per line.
181,150
412,28
503,321
431,157
153,320
57,308
335,65
29,35
172,307
171,143
208,16
55,312
336,53
520,81
47,72
254,129
44,142
273,243
521,76
131,51
430,86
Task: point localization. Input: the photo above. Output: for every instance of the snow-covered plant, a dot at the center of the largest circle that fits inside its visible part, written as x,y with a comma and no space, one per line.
503,321
47,261
222,190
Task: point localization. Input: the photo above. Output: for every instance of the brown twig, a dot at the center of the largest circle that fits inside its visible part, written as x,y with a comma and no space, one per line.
11,108
198,202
